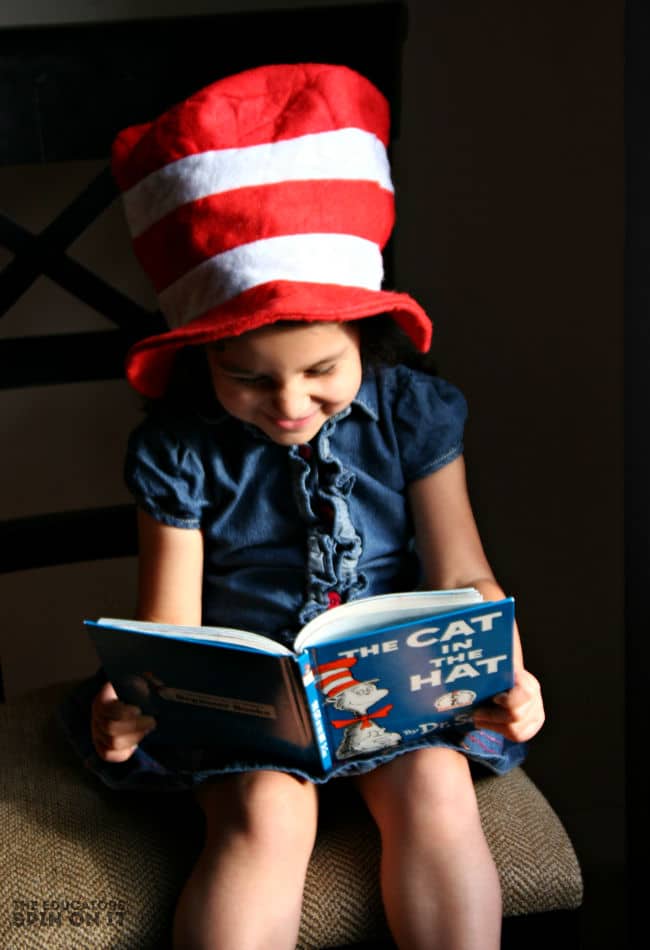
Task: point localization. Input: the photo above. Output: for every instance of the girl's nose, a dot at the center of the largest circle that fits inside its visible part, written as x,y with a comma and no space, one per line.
292,400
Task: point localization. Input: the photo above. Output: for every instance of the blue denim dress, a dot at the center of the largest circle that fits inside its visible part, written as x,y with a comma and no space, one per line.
291,531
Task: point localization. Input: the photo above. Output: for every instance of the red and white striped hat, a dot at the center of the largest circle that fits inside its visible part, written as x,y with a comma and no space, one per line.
265,196
336,676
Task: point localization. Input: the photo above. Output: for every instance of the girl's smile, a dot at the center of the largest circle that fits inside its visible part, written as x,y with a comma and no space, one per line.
294,425
287,379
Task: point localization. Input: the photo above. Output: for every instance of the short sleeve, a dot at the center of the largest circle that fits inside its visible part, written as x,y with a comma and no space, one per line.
164,473
429,417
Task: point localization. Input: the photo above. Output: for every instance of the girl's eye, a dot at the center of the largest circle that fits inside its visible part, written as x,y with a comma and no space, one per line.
321,371
250,380
267,381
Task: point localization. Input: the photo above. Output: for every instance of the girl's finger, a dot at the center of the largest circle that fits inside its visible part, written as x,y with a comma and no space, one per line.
122,727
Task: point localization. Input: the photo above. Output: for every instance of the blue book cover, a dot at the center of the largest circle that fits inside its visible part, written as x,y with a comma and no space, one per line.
219,703
366,677
392,686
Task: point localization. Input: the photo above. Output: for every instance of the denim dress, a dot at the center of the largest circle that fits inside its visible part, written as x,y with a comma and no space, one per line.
291,531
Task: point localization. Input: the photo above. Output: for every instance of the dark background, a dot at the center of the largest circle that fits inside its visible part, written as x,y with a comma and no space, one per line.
522,196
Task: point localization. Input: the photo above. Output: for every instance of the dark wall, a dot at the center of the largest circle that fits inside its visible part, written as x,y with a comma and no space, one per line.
511,230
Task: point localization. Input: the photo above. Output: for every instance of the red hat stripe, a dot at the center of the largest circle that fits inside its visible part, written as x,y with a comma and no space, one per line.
151,359
196,232
251,108
340,259
348,661
349,154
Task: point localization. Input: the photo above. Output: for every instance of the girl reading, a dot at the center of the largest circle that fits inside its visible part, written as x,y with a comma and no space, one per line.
290,462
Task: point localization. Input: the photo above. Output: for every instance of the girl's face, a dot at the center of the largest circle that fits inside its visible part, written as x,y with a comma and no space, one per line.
287,380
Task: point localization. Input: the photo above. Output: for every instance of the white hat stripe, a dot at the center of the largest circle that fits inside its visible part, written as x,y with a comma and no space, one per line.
341,259
350,153
337,685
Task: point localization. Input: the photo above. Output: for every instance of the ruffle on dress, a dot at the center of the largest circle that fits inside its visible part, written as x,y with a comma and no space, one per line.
321,488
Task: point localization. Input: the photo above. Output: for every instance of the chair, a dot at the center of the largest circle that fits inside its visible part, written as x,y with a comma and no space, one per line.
80,866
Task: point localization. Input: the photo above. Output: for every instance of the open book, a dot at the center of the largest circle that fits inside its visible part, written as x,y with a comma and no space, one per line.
366,678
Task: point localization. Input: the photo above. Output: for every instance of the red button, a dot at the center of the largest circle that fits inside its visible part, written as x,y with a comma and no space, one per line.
334,598
326,512
305,452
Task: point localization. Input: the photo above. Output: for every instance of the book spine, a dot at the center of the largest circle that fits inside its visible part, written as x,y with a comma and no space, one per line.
315,710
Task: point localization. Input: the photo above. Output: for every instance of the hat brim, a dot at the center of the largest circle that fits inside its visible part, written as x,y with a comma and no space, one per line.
149,362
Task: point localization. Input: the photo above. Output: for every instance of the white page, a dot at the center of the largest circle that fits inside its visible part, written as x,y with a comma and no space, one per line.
359,616
225,635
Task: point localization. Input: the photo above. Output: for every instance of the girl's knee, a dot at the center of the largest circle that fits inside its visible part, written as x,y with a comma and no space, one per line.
263,805
430,788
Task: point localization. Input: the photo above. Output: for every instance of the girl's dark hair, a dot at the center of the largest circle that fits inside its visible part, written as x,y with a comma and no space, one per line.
190,384
382,343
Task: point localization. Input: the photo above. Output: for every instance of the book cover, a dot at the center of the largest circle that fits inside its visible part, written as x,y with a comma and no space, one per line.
214,705
365,678
395,685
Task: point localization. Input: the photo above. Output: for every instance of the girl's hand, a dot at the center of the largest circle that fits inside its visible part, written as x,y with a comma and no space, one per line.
517,714
116,728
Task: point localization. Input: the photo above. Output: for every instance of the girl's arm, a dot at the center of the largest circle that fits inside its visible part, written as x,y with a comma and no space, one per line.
170,572
452,555
170,579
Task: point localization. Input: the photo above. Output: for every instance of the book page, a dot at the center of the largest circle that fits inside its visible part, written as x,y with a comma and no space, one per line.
228,636
372,613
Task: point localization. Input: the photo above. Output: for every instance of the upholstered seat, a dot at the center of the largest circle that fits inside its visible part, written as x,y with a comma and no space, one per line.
81,866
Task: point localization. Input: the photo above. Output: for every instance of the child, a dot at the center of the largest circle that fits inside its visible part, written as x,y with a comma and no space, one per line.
310,474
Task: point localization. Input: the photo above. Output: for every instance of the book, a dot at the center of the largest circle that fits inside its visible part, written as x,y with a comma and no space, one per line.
370,677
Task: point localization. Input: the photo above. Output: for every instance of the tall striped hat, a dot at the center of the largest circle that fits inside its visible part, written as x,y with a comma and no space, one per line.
265,196
336,676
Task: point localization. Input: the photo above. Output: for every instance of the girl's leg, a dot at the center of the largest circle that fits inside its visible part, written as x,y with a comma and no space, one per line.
439,883
245,891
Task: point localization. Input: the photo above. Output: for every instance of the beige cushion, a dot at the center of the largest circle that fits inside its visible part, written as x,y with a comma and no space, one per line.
82,866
